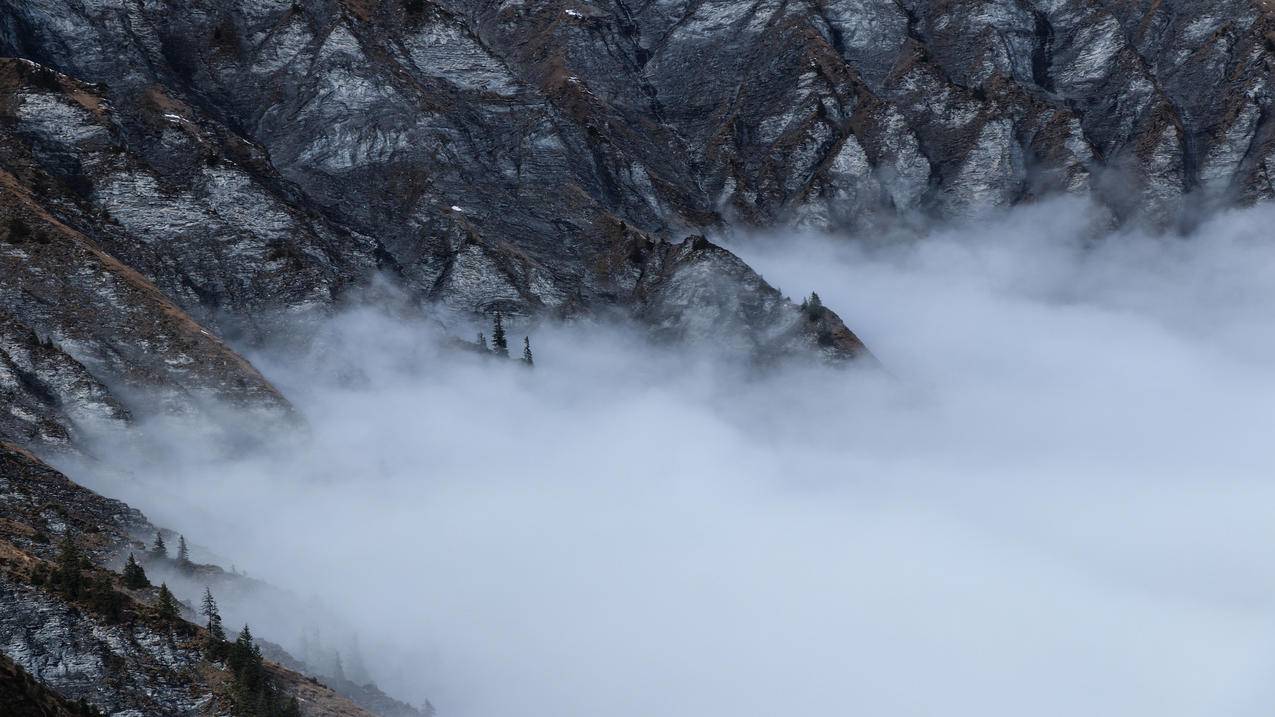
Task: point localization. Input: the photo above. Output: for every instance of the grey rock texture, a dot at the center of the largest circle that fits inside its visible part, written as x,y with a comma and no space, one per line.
21,695
264,156
46,393
170,173
123,669
129,666
260,156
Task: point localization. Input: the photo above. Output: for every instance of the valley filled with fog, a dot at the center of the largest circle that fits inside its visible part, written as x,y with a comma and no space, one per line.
1054,498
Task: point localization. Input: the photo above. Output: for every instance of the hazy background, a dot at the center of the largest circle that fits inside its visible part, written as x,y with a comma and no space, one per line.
1058,502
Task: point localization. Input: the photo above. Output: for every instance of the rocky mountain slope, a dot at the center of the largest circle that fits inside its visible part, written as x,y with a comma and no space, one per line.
118,655
176,173
174,177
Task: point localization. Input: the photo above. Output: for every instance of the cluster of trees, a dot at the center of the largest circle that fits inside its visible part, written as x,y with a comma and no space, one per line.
500,342
812,307
74,577
253,692
159,551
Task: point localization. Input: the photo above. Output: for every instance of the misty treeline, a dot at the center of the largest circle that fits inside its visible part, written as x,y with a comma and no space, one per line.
500,342
253,691
73,575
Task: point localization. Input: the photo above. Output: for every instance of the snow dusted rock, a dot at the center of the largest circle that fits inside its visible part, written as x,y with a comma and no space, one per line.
130,664
48,390
256,156
122,669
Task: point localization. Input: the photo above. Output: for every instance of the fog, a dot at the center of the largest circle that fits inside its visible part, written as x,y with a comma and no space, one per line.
1057,500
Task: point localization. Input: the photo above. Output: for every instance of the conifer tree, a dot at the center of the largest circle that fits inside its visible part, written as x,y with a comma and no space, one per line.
498,342
482,342
105,599
815,305
68,577
183,553
159,549
134,575
240,651
166,607
209,610
526,351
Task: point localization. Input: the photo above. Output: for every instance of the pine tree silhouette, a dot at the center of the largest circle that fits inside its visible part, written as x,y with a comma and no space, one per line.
183,553
68,577
526,351
166,607
498,342
159,549
134,575
209,610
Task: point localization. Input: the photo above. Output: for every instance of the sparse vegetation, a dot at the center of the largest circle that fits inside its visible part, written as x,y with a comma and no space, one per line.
183,554
135,575
254,693
159,549
812,307
215,640
166,607
499,343
69,578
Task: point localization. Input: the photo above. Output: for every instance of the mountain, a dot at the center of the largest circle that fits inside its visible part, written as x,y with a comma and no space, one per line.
178,179
105,643
201,168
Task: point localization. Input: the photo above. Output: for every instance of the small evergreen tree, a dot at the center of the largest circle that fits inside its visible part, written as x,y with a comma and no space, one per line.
482,342
814,307
105,599
159,549
166,607
183,553
526,351
498,342
215,645
68,577
209,610
134,575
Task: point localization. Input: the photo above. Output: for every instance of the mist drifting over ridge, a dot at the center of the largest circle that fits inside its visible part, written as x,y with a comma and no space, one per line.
1056,502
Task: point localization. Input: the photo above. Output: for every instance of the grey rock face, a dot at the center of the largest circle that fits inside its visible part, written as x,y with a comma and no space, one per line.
253,155
132,666
47,393
217,162
126,670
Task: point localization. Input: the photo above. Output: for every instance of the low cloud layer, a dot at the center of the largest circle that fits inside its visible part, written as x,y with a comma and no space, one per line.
1057,502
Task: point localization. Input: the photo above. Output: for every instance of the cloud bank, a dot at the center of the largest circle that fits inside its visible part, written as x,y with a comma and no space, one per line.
1057,502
